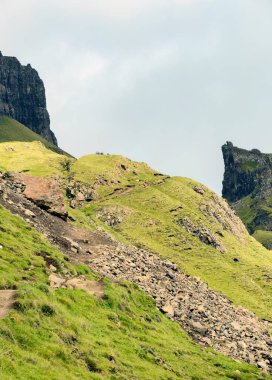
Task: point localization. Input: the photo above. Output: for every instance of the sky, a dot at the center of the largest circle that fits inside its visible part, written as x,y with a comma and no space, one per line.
161,81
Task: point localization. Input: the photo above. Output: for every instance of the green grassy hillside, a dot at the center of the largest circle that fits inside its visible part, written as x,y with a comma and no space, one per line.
32,158
155,213
12,130
67,333
163,214
111,172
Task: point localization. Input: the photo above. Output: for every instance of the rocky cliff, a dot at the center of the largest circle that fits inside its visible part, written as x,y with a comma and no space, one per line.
22,97
247,185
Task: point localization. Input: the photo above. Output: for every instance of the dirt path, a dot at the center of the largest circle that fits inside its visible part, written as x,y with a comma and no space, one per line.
7,299
209,317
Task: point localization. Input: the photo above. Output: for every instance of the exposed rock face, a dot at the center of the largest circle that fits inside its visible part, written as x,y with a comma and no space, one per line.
246,172
247,185
46,193
22,97
203,233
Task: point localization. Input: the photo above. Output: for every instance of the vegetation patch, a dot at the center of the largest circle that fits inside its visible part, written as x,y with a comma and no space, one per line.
11,130
250,165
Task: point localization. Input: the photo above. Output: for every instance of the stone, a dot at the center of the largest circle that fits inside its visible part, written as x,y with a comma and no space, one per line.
201,309
203,233
241,345
198,327
199,190
44,192
236,326
56,281
168,309
74,246
207,341
29,213
80,197
52,268
262,364
22,97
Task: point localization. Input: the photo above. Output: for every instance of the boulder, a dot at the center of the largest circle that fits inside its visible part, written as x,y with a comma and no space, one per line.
44,192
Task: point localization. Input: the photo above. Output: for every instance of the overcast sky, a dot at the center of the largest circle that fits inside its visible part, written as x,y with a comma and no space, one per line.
161,81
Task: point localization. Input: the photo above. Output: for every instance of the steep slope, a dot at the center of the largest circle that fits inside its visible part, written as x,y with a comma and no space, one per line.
181,220
174,218
11,130
207,316
22,97
247,186
56,333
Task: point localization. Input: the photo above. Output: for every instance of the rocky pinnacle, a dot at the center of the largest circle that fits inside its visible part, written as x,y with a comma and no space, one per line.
246,172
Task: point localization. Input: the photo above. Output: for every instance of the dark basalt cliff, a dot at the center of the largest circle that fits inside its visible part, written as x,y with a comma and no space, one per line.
246,172
247,186
22,97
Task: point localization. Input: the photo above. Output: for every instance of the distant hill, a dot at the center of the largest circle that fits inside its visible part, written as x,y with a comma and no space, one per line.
12,130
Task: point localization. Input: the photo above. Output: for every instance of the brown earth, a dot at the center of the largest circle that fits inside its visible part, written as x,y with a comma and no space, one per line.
7,301
44,192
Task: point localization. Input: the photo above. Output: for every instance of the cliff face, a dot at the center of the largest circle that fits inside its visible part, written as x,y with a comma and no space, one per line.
246,172
247,185
22,97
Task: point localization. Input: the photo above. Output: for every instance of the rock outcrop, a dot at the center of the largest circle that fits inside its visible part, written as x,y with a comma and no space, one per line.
247,186
46,193
246,172
22,97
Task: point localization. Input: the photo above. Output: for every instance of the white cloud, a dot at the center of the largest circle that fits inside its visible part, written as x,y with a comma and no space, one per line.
120,8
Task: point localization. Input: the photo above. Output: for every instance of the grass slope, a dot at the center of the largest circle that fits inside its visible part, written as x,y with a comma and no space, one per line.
33,158
149,216
12,130
69,334
113,171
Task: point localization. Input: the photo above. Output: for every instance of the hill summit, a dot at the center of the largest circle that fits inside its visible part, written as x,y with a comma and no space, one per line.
22,97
